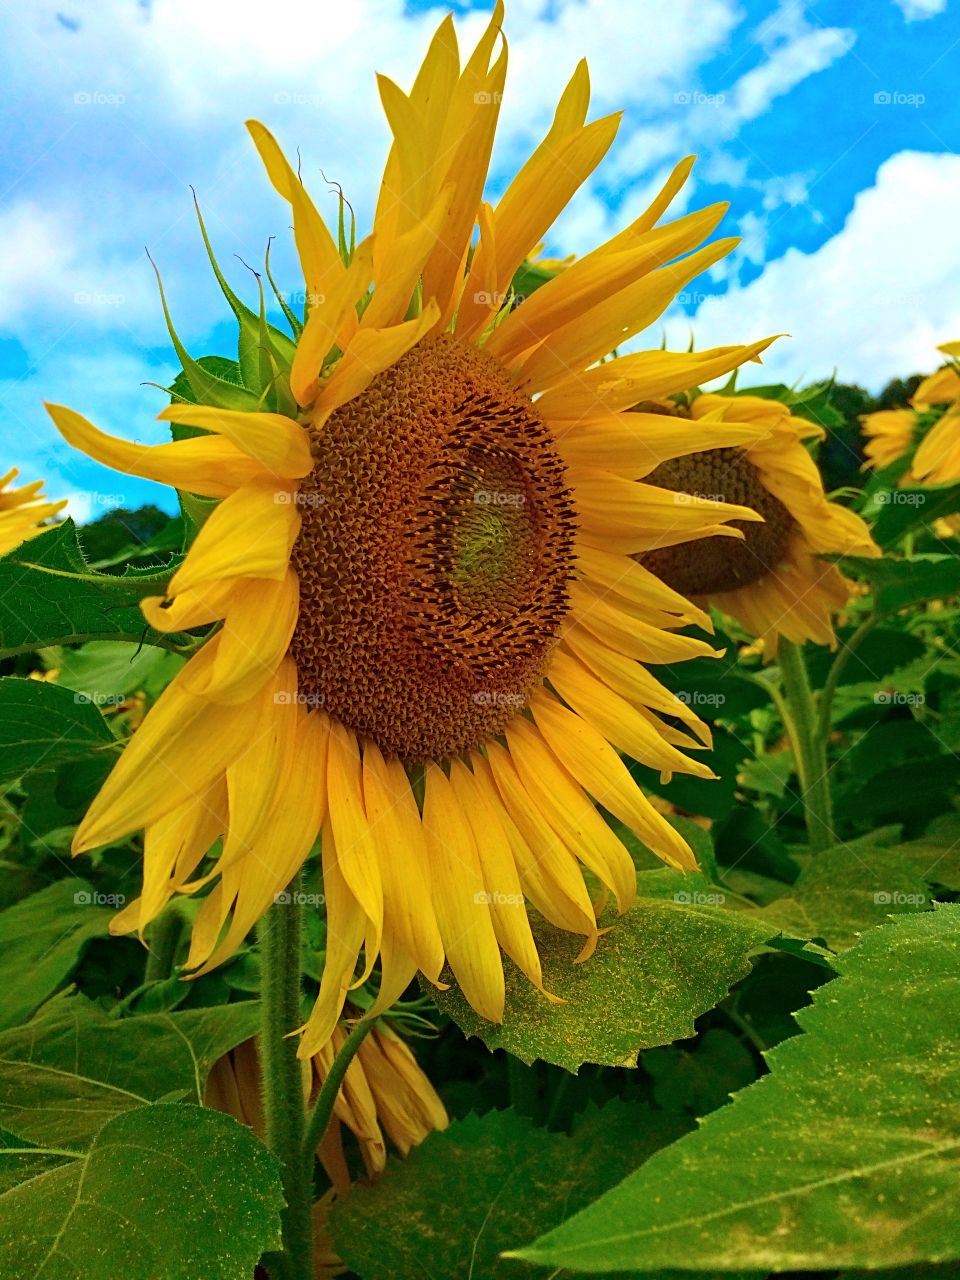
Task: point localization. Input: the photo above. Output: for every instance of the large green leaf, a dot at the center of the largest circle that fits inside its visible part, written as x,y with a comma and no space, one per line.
848,888
903,509
73,1067
171,1191
49,595
43,725
846,1155
667,960
464,1195
897,584
41,939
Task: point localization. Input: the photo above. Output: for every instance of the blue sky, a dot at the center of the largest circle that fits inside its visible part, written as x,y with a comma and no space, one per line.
832,129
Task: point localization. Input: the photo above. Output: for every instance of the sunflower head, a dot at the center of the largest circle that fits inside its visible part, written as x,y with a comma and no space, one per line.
426,628
772,581
24,512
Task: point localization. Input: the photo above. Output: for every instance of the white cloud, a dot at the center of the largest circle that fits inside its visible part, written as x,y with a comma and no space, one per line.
871,302
918,9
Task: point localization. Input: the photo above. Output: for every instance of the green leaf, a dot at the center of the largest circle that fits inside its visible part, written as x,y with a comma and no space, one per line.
71,1068
847,889
43,725
167,1190
844,1156
50,596
41,940
464,1195
881,653
897,584
903,509
106,671
700,1079
663,963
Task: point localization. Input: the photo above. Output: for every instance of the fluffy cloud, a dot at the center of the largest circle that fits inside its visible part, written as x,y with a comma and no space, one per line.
918,9
873,300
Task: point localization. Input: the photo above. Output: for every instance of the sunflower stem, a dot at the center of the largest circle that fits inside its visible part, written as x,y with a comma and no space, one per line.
319,1120
796,706
280,939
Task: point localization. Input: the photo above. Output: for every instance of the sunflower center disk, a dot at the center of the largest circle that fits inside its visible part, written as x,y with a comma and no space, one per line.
721,564
434,555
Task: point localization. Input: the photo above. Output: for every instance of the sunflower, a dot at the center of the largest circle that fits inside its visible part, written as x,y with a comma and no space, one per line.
23,511
890,435
385,1089
771,582
431,628
933,417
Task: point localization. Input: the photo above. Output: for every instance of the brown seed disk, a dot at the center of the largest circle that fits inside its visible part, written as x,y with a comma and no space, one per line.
434,555
721,564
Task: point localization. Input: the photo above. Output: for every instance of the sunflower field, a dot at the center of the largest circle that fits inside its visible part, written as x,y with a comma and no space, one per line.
506,823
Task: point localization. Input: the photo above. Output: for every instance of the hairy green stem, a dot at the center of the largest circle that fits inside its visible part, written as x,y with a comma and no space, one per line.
319,1119
282,1081
795,703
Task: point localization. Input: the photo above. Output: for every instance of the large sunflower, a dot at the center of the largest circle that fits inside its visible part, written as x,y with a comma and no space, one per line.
431,622
933,417
23,511
772,581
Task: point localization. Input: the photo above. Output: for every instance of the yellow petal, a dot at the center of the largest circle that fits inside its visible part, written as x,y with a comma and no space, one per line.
182,746
279,444
460,899
370,352
590,758
212,467
325,322
567,809
356,851
401,852
249,535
